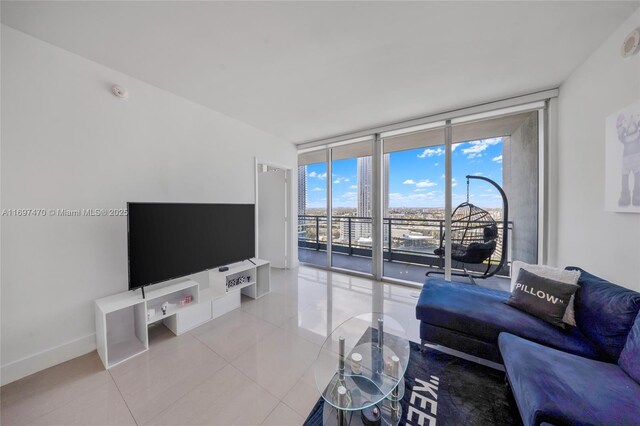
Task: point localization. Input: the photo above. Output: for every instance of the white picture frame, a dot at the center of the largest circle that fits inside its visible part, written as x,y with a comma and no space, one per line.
622,160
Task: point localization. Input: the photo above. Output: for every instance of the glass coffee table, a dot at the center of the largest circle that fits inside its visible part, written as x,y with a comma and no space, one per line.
360,371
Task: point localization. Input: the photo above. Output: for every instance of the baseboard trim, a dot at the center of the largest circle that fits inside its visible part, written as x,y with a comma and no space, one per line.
28,365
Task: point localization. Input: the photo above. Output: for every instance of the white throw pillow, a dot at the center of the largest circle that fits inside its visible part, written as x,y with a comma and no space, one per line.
557,274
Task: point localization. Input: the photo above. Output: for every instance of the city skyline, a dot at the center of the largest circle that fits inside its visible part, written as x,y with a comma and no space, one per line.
416,177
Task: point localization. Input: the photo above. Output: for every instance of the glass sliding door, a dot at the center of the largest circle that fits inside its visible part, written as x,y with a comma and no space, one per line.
503,150
497,152
414,192
352,209
312,208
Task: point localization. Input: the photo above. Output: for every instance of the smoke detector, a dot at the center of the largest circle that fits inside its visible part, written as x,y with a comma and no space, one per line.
631,44
119,91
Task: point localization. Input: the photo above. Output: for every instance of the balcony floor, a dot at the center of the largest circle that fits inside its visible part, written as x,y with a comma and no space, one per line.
397,270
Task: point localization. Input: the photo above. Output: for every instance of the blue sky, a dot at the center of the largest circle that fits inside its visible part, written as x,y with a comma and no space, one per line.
416,177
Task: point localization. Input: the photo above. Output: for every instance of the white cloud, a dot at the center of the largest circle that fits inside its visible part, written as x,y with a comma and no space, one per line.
318,175
454,146
316,189
415,199
341,179
436,164
353,187
478,147
477,174
426,183
430,152
497,159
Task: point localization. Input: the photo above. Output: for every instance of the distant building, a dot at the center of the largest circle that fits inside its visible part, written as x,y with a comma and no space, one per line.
385,176
302,190
365,177
361,229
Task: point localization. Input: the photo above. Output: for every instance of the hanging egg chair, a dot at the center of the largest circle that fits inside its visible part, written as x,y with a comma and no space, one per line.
475,237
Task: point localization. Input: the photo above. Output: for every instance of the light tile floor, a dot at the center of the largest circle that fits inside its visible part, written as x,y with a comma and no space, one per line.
252,366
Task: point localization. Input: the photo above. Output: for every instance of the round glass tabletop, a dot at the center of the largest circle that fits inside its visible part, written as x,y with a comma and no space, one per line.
358,366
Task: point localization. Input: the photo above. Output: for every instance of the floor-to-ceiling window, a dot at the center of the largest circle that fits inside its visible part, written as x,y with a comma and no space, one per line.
414,215
503,146
504,150
351,207
312,208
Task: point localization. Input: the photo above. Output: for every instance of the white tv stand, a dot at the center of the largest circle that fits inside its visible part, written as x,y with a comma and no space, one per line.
121,319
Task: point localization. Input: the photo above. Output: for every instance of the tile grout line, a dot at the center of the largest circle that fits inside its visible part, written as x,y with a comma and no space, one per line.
210,348
64,404
296,384
260,387
294,410
270,412
123,398
188,391
263,336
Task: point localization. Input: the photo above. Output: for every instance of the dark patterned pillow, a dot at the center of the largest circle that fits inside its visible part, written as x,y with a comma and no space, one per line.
542,297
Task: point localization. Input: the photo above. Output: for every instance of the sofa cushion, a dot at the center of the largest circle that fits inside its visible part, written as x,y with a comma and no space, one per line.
629,359
542,297
557,274
560,388
567,276
482,313
605,312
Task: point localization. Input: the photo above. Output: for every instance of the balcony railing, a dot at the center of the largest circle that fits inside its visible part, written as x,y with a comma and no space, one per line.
408,240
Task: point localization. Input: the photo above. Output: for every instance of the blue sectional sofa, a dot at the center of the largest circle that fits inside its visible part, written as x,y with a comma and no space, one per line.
583,375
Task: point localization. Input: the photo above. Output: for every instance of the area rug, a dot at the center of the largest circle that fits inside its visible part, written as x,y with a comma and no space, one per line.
466,393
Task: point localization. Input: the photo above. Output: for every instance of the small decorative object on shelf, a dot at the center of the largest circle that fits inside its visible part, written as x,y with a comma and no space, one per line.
151,313
356,363
371,416
187,299
233,282
165,307
387,365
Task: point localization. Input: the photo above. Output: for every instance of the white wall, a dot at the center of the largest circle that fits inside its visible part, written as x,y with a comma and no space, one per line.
67,142
604,243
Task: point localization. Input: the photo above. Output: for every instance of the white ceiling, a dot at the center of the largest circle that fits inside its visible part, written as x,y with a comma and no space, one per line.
308,70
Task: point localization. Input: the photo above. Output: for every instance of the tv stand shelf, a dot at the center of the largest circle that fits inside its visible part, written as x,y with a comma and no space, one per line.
122,320
257,286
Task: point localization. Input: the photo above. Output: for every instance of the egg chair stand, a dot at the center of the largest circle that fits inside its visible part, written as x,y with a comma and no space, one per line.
475,237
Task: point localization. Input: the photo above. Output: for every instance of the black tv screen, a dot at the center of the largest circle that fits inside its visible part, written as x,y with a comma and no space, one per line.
171,240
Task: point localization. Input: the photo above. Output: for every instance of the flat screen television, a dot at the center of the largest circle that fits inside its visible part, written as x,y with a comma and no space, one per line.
172,240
